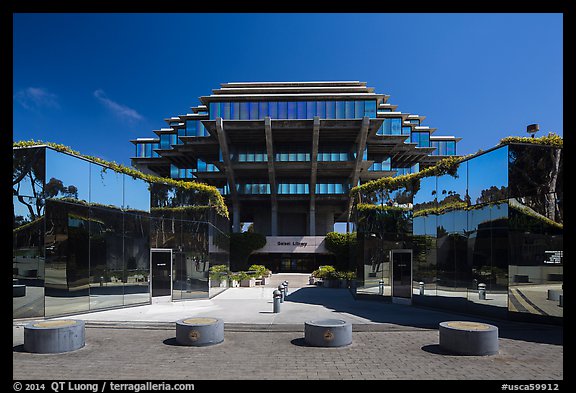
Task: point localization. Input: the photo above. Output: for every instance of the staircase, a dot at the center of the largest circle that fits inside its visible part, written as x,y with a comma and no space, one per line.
295,280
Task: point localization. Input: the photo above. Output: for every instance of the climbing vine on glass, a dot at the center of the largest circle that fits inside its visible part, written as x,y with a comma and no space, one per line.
215,198
448,165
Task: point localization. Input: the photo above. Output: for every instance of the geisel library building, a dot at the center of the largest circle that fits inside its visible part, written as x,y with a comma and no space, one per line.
481,234
286,155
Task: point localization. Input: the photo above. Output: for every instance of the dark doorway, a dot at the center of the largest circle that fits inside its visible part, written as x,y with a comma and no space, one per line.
402,273
161,261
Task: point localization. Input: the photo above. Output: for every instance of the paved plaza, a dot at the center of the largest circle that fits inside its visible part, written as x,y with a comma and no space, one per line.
390,341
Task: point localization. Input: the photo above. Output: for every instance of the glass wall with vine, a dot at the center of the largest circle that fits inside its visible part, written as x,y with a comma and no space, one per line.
82,235
182,220
383,225
494,222
536,221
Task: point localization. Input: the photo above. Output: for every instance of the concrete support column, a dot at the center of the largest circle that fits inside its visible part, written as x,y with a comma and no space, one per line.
236,217
274,221
312,216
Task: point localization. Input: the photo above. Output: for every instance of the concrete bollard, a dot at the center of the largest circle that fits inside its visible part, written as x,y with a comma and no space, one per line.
381,287
469,338
554,294
286,288
281,289
54,336
328,333
276,299
482,291
421,287
199,332
311,280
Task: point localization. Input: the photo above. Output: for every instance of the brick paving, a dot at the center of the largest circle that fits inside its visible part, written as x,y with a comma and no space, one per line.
390,342
404,353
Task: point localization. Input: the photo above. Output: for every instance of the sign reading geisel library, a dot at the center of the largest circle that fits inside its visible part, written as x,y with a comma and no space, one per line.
294,244
553,257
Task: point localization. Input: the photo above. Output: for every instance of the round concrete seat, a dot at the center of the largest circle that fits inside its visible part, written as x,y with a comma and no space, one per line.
18,290
328,333
199,331
54,336
554,294
469,338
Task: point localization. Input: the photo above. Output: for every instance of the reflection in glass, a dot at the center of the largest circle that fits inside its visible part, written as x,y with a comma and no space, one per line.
67,254
535,263
27,259
136,258
192,263
425,197
67,177
452,190
136,195
28,174
536,179
106,258
488,177
106,186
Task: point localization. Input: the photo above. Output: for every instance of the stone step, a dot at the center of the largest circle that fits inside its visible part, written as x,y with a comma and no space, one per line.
295,280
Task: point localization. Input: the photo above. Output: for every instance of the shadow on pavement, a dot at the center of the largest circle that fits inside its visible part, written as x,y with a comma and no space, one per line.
342,301
171,341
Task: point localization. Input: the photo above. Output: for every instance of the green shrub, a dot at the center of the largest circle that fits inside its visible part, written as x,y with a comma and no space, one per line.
326,271
260,270
238,276
217,272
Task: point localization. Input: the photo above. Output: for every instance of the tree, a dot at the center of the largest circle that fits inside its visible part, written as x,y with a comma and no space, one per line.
241,246
343,246
535,178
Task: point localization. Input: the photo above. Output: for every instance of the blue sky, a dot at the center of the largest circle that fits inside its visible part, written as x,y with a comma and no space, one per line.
94,81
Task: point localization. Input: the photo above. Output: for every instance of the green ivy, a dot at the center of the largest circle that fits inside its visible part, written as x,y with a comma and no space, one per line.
215,198
448,165
551,139
364,207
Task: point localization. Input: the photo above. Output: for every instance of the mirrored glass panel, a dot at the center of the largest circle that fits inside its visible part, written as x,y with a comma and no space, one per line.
67,258
536,179
425,198
136,195
488,177
136,258
192,264
451,190
28,174
106,258
536,261
106,186
28,258
67,177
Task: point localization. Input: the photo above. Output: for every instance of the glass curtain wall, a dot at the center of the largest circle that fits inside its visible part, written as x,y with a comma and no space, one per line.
486,239
83,232
351,109
28,255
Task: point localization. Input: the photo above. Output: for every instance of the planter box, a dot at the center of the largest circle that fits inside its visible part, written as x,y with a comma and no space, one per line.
234,284
265,280
248,283
218,283
330,283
